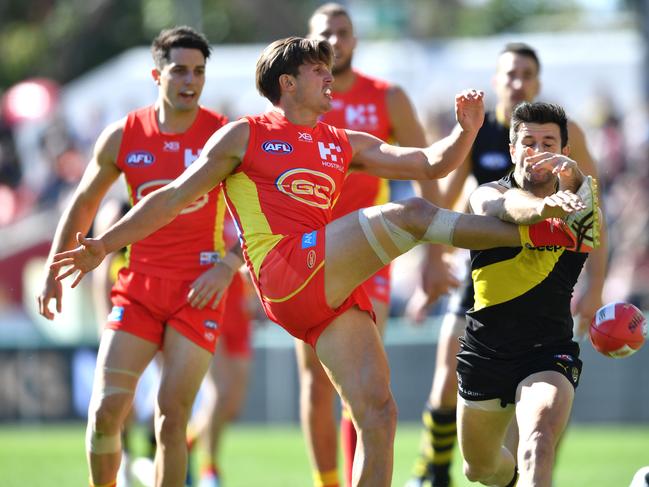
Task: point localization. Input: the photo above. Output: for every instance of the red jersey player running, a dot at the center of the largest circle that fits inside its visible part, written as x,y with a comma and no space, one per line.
379,108
283,170
164,299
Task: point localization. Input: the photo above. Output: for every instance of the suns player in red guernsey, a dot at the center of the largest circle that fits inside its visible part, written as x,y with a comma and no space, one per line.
163,300
374,106
282,172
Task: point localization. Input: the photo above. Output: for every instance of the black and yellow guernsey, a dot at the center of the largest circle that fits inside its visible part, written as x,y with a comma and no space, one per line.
522,296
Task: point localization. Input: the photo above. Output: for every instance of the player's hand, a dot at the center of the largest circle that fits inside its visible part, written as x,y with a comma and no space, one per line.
81,260
566,169
210,286
51,289
469,109
584,308
560,204
437,279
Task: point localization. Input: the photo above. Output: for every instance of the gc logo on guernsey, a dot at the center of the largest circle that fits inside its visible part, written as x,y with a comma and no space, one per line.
307,186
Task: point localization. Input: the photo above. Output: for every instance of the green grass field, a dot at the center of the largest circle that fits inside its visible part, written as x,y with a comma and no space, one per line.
274,456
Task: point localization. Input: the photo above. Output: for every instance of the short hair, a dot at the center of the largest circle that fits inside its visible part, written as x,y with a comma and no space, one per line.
538,112
285,56
331,9
180,36
522,49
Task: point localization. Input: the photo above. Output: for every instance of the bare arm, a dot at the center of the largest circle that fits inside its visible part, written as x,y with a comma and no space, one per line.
590,301
372,155
102,280
221,155
99,175
519,206
435,276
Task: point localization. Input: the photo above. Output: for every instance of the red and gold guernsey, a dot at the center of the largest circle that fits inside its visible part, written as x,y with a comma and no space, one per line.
150,159
286,183
363,108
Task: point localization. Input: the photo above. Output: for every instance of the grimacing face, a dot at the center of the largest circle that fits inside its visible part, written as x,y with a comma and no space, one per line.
312,87
516,79
532,139
339,31
182,78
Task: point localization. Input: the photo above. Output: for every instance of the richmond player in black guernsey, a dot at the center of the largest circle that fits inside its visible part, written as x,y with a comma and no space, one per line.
517,356
516,80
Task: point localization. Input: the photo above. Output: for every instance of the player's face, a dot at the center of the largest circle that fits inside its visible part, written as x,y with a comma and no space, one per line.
313,87
181,80
338,30
516,79
534,138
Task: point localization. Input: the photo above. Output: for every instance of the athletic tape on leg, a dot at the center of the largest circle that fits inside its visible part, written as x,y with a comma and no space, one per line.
442,227
387,239
100,444
364,215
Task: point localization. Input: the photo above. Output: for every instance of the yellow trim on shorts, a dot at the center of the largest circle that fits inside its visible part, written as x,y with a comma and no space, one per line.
300,288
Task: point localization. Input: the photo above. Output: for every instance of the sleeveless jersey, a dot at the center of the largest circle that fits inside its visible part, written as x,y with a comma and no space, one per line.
490,159
522,295
287,182
150,159
364,108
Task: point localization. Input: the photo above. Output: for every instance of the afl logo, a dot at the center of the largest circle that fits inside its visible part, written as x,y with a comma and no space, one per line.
277,147
307,186
139,158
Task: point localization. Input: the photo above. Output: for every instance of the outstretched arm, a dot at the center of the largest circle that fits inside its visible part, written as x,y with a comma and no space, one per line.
220,156
372,155
99,175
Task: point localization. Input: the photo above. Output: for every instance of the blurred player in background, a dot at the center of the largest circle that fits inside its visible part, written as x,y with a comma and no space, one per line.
516,80
379,108
165,299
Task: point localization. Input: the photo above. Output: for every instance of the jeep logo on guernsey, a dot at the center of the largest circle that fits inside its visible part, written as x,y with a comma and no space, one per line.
277,147
139,158
310,187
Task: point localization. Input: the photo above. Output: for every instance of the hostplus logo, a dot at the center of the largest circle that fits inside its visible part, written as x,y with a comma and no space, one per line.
329,154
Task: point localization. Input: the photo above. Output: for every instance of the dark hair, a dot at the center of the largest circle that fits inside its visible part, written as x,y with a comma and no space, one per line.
285,56
331,9
180,36
524,50
538,112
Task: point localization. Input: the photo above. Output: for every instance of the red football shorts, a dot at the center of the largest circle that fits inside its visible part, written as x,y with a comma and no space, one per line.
377,287
143,305
291,284
235,330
